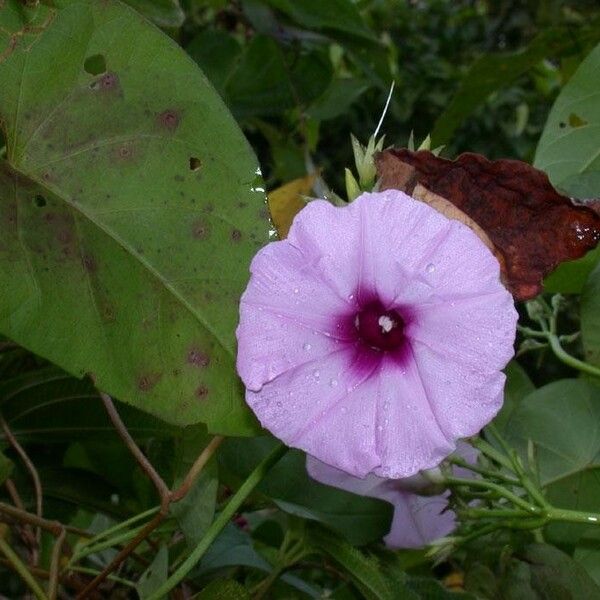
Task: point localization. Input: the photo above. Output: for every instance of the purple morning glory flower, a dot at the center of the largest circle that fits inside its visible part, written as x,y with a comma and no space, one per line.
373,337
421,513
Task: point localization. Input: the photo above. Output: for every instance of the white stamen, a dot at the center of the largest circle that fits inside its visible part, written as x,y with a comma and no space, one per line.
386,323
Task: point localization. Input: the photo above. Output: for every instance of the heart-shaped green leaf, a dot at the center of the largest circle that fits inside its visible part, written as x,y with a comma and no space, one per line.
130,206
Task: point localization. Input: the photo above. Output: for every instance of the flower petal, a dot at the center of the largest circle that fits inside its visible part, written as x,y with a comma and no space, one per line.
409,436
477,331
287,316
326,408
463,398
419,520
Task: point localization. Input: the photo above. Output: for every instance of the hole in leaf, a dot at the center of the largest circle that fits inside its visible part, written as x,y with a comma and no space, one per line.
195,163
95,65
40,201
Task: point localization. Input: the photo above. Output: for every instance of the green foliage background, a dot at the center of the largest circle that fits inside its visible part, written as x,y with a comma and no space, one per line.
161,187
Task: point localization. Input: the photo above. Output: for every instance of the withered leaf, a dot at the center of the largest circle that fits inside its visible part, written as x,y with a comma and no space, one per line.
532,227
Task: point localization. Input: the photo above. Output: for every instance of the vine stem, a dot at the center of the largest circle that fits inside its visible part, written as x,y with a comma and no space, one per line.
476,483
565,357
572,516
21,570
167,496
219,523
37,484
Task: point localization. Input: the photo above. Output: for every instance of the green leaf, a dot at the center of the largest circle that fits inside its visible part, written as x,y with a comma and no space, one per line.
195,511
334,16
570,277
155,575
223,589
590,317
494,71
48,405
129,211
165,13
587,554
556,576
232,548
260,84
559,419
216,53
359,519
568,150
518,385
267,79
365,571
338,98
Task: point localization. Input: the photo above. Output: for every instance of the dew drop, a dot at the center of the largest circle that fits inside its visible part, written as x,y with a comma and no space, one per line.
296,290
430,268
316,374
351,297
279,403
333,383
307,346
379,427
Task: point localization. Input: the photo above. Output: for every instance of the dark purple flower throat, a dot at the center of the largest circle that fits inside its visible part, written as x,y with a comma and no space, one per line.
378,327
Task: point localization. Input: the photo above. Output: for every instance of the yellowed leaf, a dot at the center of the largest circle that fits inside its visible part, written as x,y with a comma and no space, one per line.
286,201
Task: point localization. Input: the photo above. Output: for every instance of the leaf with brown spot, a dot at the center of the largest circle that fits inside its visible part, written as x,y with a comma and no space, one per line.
118,192
532,227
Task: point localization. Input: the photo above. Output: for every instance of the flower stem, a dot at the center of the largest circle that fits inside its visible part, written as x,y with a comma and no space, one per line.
459,462
477,483
219,523
572,516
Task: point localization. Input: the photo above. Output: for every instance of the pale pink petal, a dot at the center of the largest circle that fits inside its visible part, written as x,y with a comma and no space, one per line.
419,520
326,408
419,517
464,398
388,259
285,316
373,337
330,242
477,331
370,486
408,433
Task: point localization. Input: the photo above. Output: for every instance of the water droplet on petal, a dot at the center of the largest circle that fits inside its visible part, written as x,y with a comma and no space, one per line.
296,290
316,374
379,427
333,383
307,346
430,268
